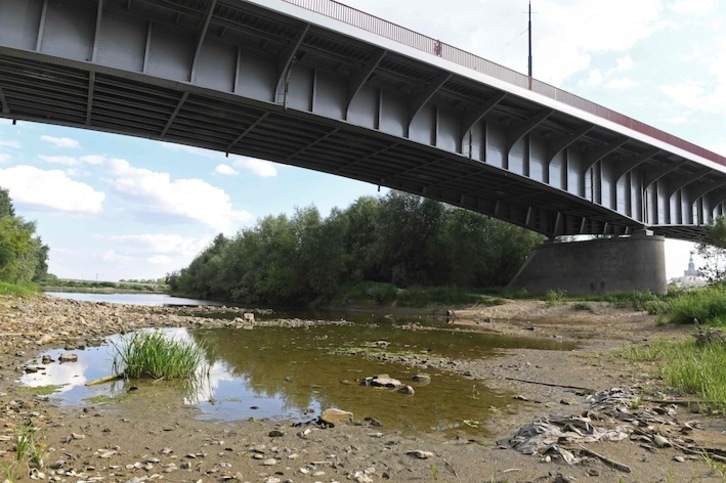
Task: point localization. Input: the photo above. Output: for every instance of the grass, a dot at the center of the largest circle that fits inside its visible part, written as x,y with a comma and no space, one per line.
29,445
707,304
152,355
688,368
24,291
42,390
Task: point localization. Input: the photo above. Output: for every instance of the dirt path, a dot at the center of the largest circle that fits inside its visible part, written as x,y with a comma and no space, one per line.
133,440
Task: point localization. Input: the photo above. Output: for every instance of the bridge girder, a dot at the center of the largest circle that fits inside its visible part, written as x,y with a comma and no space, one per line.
266,79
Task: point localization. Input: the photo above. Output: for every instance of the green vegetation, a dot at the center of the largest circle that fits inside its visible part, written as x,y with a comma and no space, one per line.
688,367
23,257
707,304
42,390
11,289
53,283
152,355
400,241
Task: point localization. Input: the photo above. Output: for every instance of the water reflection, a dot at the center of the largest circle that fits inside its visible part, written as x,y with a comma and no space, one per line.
295,373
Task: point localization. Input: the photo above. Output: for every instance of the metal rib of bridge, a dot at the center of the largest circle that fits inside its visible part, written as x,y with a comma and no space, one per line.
267,79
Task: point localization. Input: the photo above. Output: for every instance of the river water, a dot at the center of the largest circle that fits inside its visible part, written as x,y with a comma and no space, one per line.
293,374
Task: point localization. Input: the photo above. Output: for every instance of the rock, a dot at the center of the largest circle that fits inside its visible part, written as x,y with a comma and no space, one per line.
680,459
660,441
275,433
406,390
381,380
270,462
420,454
336,416
421,378
31,369
67,358
47,359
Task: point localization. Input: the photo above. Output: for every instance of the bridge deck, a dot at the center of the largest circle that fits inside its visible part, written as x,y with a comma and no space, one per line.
272,80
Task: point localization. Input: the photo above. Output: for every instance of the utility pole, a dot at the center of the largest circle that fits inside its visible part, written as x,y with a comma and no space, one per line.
530,39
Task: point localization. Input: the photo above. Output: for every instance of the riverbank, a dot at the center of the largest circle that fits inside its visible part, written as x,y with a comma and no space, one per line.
132,438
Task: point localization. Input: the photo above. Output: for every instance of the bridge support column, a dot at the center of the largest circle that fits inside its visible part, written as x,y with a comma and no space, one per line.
598,266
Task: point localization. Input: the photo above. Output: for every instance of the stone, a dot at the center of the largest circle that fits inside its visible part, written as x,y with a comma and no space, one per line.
67,358
381,380
406,390
276,433
421,378
336,416
420,454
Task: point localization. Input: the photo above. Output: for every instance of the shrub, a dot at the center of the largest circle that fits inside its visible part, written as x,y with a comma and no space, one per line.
152,355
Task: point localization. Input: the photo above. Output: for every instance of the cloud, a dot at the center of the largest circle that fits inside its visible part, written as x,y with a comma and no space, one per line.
36,189
620,84
9,144
693,7
64,160
207,153
156,196
594,78
65,143
4,157
225,170
93,159
264,169
159,244
623,63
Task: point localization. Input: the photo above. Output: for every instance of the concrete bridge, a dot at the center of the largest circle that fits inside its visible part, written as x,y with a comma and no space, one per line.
316,84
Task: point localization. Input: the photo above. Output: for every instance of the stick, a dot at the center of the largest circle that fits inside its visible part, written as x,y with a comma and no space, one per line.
606,460
681,402
711,454
549,384
104,380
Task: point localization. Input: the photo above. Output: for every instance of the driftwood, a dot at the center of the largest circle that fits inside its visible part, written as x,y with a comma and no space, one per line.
610,462
549,384
104,380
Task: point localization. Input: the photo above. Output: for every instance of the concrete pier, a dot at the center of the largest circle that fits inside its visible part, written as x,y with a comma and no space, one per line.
599,266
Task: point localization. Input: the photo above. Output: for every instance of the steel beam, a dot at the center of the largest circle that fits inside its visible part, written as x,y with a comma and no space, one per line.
4,102
657,173
600,152
475,114
89,99
626,166
520,130
357,81
246,131
308,146
556,145
421,98
208,14
286,58
178,108
684,181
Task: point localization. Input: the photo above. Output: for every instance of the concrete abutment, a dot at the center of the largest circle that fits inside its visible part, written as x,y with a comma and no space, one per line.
599,266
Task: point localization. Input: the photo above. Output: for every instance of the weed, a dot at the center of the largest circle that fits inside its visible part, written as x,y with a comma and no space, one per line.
581,306
29,445
24,291
152,355
555,297
716,468
42,390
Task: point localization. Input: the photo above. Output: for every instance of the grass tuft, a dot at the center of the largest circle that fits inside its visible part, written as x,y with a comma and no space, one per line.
152,355
24,291
688,368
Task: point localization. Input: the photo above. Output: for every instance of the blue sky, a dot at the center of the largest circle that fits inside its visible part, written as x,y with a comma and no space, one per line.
113,207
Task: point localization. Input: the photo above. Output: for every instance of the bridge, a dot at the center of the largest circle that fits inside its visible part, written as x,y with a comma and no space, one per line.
319,85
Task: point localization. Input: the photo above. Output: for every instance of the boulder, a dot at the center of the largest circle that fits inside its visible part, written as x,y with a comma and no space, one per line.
336,416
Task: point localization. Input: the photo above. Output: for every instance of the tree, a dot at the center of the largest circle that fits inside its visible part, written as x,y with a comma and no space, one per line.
23,257
713,251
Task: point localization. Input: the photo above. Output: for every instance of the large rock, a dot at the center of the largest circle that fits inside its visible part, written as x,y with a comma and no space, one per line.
381,380
336,416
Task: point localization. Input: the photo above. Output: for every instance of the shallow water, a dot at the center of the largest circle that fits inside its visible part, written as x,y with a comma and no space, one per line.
293,374
153,299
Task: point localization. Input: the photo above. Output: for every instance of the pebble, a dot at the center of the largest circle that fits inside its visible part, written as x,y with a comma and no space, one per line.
420,454
270,462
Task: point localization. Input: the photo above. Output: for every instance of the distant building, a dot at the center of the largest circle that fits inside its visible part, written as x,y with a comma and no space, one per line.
691,276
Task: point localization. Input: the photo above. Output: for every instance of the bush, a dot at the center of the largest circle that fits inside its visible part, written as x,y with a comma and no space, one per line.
708,305
152,355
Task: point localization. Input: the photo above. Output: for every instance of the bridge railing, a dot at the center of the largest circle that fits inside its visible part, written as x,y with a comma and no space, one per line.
432,46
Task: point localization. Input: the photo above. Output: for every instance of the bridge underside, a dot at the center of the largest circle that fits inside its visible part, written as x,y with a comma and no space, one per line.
242,79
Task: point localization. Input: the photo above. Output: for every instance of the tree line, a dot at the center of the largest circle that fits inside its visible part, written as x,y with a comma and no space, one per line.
400,239
23,257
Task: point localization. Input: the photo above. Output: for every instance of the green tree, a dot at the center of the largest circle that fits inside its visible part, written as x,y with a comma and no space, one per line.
23,257
713,251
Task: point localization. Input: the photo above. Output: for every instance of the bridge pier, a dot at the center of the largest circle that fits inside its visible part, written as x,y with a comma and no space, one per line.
599,266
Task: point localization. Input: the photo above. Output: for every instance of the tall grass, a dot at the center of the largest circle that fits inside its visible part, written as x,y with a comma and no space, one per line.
688,368
152,355
25,291
707,304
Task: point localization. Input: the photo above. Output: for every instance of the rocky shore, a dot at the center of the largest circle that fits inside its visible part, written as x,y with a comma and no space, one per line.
133,440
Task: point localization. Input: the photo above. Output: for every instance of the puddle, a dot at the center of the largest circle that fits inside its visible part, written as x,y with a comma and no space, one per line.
293,374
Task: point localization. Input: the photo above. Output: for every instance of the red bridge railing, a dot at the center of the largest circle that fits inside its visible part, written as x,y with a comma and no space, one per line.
395,32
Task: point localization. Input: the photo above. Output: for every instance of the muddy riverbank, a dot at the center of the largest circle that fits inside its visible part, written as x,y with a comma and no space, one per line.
142,437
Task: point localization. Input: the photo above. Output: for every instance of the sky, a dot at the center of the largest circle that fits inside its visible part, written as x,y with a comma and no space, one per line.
113,207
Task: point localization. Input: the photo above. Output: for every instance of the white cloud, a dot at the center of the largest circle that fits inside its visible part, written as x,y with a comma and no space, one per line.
64,160
93,159
9,144
207,153
225,169
67,143
265,169
160,244
157,196
594,78
4,157
620,84
719,147
693,7
623,63
159,260
36,189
